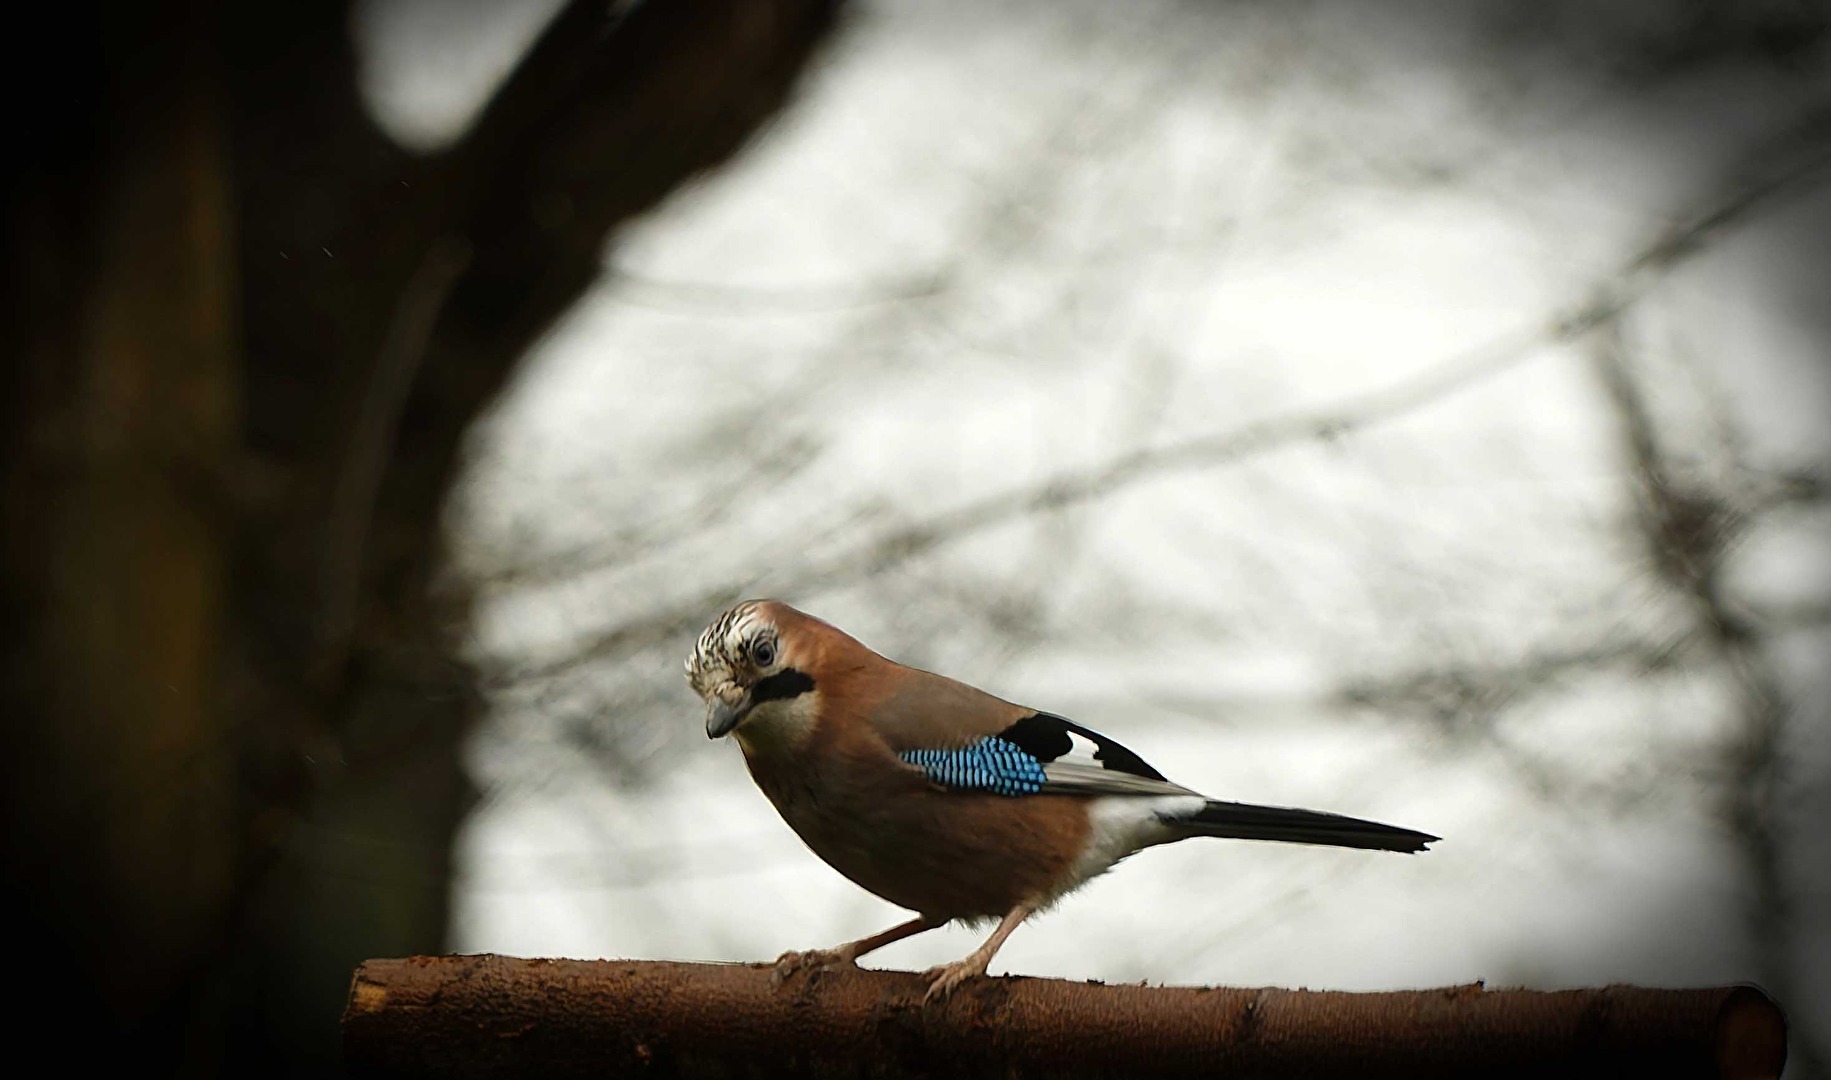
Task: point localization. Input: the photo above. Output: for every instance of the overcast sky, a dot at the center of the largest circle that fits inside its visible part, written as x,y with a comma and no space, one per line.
986,249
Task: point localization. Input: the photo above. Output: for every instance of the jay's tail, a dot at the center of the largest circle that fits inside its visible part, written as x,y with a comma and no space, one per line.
1242,821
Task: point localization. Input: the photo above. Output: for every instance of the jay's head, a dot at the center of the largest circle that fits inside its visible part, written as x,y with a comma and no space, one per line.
754,665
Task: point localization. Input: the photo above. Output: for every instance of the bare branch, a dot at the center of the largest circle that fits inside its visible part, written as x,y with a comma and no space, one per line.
1800,614
365,455
770,461
1686,527
488,1016
1453,685
708,299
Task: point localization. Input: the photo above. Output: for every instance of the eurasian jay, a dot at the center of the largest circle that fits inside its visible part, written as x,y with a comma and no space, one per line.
944,799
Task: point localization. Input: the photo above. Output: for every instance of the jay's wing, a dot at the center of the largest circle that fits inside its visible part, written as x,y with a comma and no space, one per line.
1045,754
966,739
1041,753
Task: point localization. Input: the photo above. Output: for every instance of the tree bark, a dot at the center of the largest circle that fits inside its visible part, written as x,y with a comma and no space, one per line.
492,1016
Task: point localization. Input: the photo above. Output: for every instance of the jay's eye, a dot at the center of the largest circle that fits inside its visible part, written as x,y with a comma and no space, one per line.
763,653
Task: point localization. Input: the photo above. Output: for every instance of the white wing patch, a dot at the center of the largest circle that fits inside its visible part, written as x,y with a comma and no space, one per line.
1078,760
1081,750
1091,777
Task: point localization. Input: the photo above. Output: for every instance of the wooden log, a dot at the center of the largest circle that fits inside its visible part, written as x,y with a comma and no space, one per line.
496,1016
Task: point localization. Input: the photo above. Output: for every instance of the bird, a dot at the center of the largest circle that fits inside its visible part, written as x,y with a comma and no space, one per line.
942,798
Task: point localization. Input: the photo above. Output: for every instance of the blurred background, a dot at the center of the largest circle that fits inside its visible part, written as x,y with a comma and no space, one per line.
1413,411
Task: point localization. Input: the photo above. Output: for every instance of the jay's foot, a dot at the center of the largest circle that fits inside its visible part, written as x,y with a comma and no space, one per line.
811,960
942,980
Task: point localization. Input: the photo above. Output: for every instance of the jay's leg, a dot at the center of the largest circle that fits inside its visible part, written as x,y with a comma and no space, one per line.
790,962
943,979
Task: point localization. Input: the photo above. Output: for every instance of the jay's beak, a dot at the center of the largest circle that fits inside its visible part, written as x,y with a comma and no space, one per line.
724,711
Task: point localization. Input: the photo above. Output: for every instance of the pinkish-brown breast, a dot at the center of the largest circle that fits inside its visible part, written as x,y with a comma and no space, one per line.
881,823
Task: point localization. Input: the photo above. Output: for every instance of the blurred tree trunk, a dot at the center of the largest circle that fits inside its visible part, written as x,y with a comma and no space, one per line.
123,398
248,336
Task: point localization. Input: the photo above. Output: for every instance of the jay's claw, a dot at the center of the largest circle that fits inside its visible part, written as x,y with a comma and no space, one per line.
942,980
811,960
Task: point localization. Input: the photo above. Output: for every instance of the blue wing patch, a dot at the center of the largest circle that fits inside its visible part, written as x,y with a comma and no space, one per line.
991,764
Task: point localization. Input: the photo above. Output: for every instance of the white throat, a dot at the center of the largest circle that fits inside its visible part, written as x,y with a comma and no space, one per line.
777,726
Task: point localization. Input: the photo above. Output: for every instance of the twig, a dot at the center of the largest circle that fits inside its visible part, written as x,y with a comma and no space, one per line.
366,454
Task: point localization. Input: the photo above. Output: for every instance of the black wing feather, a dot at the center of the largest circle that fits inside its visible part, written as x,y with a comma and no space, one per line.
1046,737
